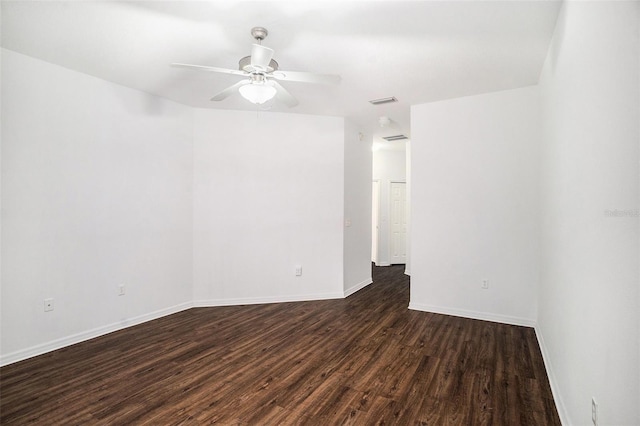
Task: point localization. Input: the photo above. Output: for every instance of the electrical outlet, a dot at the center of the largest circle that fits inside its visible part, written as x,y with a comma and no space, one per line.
594,411
48,305
298,271
121,290
485,284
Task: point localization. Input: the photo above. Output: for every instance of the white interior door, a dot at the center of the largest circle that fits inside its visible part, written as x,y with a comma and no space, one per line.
375,220
398,218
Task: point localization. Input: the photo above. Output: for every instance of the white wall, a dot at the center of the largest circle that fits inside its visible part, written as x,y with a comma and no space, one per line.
268,195
100,188
407,269
389,165
588,304
474,206
357,209
1,119
96,188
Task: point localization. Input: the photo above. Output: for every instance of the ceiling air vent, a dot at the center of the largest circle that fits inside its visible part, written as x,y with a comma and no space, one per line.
383,100
395,138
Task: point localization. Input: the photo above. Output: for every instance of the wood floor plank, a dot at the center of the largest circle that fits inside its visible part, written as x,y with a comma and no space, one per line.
365,359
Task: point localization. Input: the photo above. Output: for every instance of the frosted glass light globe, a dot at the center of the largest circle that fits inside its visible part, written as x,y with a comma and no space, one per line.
257,93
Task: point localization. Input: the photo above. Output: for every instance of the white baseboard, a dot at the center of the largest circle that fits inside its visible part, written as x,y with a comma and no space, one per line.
206,303
348,292
407,271
383,264
43,348
485,316
562,410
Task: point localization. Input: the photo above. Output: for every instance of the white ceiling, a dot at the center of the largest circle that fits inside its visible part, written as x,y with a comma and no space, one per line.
417,51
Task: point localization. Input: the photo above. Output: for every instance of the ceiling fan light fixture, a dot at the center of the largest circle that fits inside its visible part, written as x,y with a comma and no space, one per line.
257,93
258,69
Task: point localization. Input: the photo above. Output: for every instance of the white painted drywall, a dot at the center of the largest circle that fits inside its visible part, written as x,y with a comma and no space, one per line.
474,203
588,303
1,118
357,208
389,165
96,192
407,269
268,195
98,189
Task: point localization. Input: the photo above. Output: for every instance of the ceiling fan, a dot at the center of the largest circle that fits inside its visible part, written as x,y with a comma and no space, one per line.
261,73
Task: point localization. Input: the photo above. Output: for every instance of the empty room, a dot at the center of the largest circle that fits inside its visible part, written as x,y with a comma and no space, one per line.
291,212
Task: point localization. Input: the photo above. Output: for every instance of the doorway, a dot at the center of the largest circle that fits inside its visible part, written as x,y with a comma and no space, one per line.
389,242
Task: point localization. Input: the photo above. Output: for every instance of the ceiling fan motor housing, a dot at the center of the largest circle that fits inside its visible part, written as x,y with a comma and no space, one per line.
245,65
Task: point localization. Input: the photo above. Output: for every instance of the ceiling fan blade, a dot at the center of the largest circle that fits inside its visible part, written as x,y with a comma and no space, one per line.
306,77
210,69
284,96
260,56
230,90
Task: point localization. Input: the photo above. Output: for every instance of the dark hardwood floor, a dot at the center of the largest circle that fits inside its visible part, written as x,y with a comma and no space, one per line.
366,359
